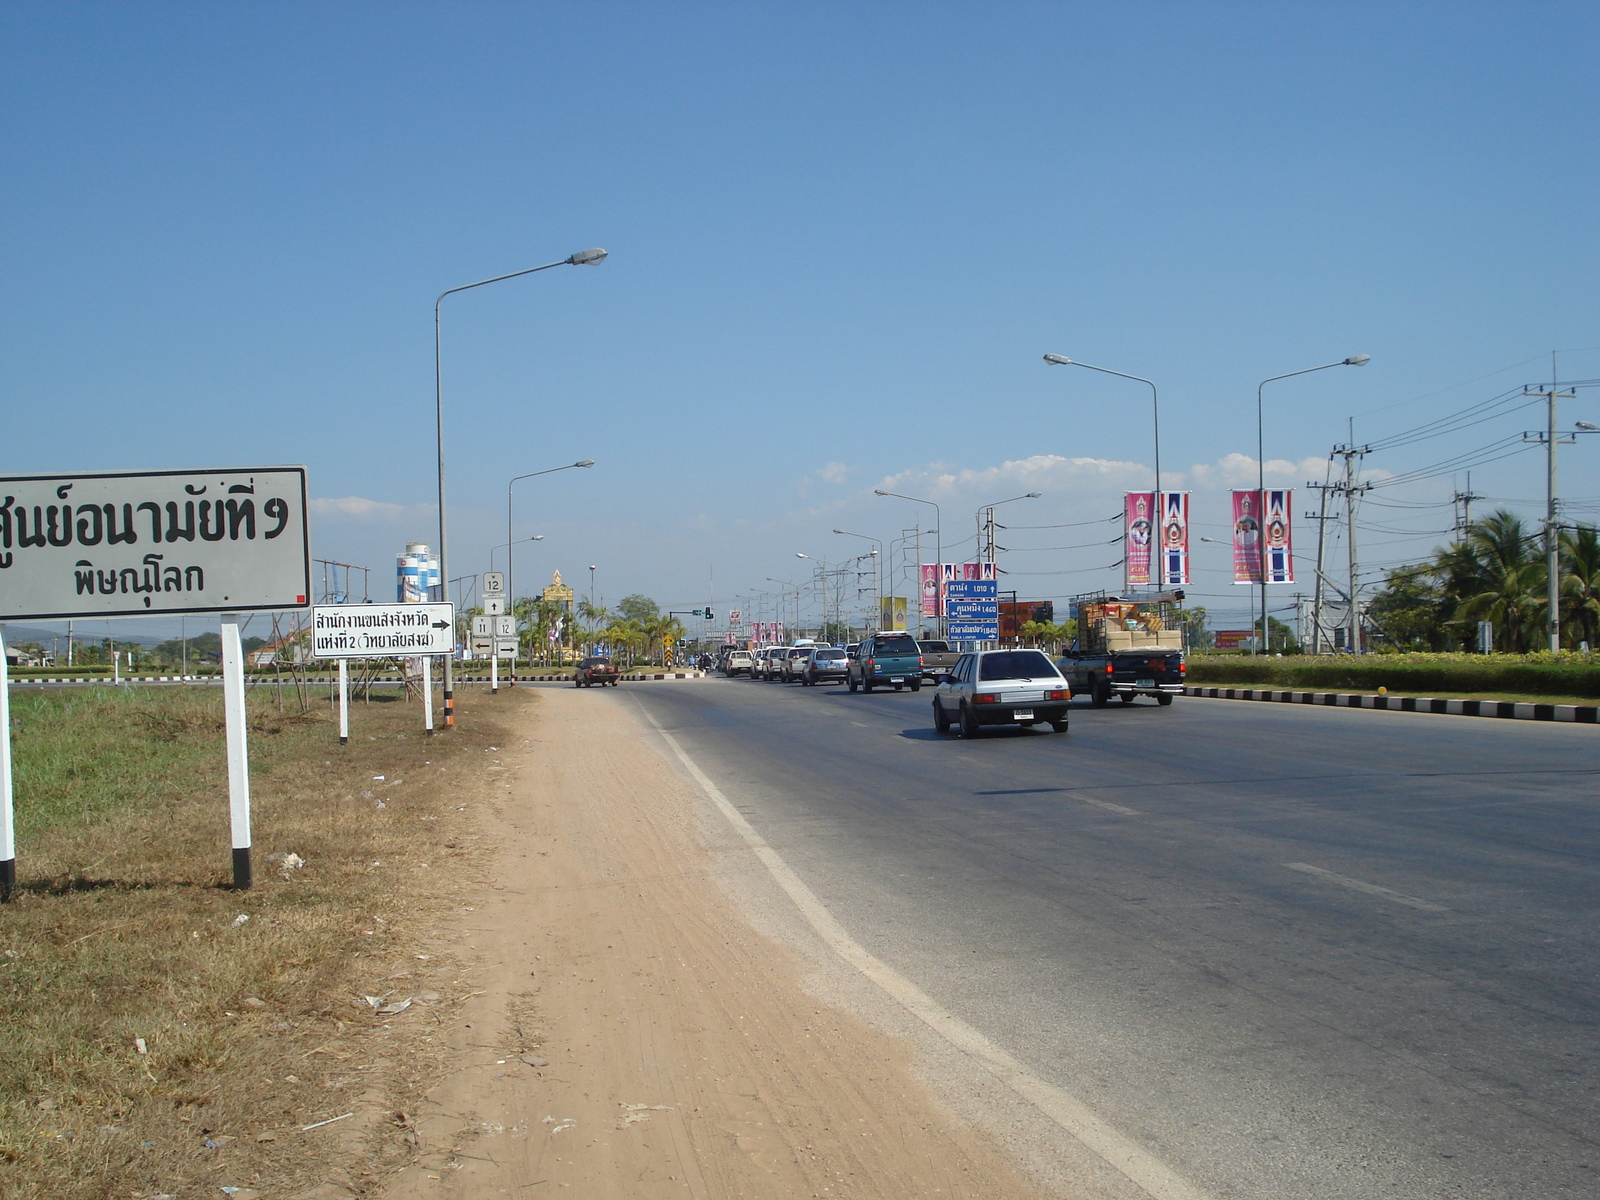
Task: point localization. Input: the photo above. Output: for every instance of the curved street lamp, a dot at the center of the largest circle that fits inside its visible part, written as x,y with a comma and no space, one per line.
938,548
1061,360
1355,360
989,508
583,462
580,258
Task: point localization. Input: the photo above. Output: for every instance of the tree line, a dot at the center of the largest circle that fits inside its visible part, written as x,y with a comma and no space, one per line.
1494,571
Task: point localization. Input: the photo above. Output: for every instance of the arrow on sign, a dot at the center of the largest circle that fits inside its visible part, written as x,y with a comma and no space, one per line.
441,624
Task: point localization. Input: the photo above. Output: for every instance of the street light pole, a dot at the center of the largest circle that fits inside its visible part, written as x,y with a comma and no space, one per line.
1355,360
938,549
510,592
579,259
989,508
877,564
1061,360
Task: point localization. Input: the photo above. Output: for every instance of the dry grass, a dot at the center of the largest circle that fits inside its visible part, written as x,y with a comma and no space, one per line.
125,933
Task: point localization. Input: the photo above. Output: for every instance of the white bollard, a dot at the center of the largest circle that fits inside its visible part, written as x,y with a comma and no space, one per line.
427,693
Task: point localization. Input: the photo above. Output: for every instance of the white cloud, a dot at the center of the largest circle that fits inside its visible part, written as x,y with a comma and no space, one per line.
833,473
355,506
1038,473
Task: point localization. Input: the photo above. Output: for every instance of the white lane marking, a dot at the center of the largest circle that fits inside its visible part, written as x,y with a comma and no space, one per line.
1372,889
1116,808
1066,1110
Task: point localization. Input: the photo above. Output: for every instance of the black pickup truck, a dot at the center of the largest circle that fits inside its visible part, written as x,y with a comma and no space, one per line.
1126,648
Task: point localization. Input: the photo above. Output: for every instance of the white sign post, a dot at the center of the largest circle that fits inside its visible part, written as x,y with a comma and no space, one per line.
346,631
238,750
139,543
8,841
344,702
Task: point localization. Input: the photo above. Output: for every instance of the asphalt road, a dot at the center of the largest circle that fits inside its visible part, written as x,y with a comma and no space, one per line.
1296,952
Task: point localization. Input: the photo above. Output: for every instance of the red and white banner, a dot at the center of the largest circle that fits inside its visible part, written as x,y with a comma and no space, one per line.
1262,530
931,591
1138,522
1280,547
952,572
1174,562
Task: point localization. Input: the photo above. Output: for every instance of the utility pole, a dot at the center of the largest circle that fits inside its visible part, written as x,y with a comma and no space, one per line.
1321,518
1463,502
1352,454
1552,542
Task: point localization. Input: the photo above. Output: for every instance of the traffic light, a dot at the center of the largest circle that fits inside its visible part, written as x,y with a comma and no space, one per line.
707,613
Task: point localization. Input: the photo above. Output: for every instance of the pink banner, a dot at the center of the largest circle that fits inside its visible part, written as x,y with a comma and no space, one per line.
1280,548
1174,539
1138,521
1247,537
930,589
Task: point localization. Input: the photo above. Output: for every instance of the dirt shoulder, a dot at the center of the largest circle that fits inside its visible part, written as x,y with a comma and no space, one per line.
631,1035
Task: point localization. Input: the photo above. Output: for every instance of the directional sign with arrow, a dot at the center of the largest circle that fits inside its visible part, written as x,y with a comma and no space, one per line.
382,630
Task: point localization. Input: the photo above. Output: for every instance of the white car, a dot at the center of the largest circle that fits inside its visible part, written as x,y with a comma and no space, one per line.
736,662
1001,687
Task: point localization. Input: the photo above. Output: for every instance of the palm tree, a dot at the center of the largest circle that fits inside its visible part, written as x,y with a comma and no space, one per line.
1580,582
1501,579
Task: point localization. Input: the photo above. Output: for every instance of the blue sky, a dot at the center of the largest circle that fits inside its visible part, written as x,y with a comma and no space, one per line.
841,238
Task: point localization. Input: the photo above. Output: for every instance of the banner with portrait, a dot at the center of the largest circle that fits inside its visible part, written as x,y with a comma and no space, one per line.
1247,536
930,589
1174,528
1138,523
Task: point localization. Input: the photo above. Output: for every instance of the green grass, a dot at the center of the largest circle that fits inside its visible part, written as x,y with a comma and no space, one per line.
124,928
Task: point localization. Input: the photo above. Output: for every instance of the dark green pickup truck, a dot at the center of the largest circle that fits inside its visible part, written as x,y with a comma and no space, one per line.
887,659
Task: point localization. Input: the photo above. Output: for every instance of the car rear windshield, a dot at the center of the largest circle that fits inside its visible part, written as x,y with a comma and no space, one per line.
936,647
1016,664
800,652
899,645
830,653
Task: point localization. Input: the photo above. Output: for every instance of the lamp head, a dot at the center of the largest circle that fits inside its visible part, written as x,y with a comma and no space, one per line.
584,258
1587,426
799,554
879,492
1358,360
592,567
585,462
1033,495
1058,360
538,537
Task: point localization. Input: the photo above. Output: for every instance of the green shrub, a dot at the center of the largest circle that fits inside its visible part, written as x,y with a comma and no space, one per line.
1544,673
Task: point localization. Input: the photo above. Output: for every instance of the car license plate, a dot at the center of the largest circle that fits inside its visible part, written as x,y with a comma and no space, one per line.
1022,714
1144,683
897,679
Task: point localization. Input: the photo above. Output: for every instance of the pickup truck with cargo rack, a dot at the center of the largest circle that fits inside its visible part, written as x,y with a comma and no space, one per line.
1126,647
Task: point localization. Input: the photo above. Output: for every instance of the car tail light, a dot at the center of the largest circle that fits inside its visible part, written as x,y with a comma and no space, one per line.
869,662
1108,668
985,698
1058,694
921,661
1183,668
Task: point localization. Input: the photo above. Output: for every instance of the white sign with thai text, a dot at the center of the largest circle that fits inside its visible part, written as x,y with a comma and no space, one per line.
122,545
382,630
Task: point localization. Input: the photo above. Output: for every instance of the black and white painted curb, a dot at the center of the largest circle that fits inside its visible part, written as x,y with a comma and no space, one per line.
1581,714
259,679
